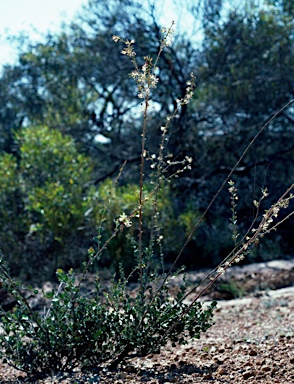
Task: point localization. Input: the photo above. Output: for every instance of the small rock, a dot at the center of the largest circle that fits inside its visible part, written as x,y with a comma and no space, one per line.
221,371
218,359
266,368
252,352
247,374
259,361
282,362
129,369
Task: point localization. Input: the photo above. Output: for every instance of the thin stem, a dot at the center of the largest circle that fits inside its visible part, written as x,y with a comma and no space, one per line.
219,191
33,315
235,255
143,154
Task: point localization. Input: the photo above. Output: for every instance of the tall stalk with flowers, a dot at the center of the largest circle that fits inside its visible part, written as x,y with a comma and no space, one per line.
111,323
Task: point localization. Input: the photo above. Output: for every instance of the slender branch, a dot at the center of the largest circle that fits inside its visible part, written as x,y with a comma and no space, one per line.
220,189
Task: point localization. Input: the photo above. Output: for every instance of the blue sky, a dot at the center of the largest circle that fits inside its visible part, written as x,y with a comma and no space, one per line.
29,15
33,16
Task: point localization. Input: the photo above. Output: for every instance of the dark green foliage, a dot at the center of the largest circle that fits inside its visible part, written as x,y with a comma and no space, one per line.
102,327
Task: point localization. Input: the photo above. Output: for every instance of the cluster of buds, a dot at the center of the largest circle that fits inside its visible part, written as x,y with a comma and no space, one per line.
271,214
168,162
234,199
167,36
128,50
265,226
186,165
191,85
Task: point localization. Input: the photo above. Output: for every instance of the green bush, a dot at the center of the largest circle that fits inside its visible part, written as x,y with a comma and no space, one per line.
44,201
82,331
13,221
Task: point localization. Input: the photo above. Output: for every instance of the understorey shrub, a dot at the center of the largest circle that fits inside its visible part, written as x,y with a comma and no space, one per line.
45,187
102,326
87,331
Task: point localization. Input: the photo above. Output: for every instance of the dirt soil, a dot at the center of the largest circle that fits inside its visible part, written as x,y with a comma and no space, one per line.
251,341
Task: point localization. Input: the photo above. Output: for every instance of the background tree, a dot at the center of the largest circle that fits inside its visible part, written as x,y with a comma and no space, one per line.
245,79
77,83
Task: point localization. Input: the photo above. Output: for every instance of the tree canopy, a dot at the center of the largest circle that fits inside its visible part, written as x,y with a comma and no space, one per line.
70,116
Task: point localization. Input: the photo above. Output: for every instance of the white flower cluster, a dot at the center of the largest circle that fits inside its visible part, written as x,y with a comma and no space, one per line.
125,220
221,270
145,79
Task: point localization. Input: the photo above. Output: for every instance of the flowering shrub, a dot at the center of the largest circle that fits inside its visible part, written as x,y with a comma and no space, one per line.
111,322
